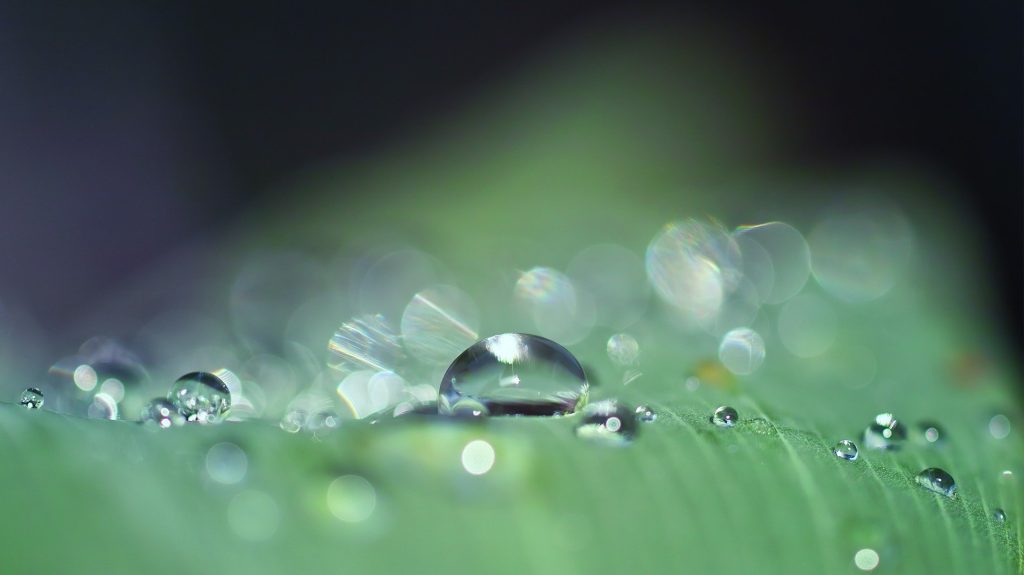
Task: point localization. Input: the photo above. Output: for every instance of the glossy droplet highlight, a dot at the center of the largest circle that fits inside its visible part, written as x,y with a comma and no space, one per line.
725,416
515,374
609,422
999,515
31,398
623,349
885,433
741,351
937,481
646,414
845,449
161,413
201,397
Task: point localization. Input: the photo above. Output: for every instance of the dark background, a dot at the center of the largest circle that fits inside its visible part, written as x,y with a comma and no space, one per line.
125,128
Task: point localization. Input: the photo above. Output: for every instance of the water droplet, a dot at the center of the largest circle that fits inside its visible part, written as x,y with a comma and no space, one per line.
161,413
938,481
515,374
866,559
789,254
999,515
725,416
103,406
1006,475
477,457
932,433
323,422
691,265
999,426
884,433
293,420
351,498
557,308
646,414
226,463
32,398
438,323
201,397
845,449
608,422
623,349
365,343
741,351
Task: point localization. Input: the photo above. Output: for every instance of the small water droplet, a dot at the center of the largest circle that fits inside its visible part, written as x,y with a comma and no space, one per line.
608,422
866,559
201,397
323,422
884,433
623,349
999,515
999,426
1006,475
515,374
32,398
161,413
741,351
846,449
938,481
932,433
103,406
646,414
725,416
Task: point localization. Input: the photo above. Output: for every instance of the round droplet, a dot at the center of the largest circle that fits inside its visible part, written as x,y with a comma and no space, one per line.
293,421
515,374
789,254
609,422
846,449
931,433
438,323
866,559
725,416
351,498
999,515
885,433
623,349
938,481
807,325
103,406
998,426
741,351
226,463
646,414
201,397
32,398
161,413
558,310
478,457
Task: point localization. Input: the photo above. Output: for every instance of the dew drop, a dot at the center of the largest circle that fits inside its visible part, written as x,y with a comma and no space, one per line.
161,413
226,463
938,481
609,422
646,414
478,457
201,397
884,433
741,351
846,449
789,254
293,421
623,349
931,433
999,515
725,416
32,398
515,374
866,559
999,426
103,406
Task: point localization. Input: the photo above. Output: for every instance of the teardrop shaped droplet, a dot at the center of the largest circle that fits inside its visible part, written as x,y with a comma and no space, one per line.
885,433
725,416
32,398
515,374
845,449
201,397
608,422
938,481
646,414
161,413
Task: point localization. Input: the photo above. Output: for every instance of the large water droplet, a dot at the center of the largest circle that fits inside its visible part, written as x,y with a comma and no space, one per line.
938,481
845,449
31,398
161,413
725,416
201,397
608,421
623,349
515,374
741,351
884,433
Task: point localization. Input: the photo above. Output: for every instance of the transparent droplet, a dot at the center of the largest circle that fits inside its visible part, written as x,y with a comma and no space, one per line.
478,457
866,559
999,515
32,398
845,449
884,433
226,463
741,351
623,349
365,343
807,325
161,413
931,433
789,254
103,406
201,397
999,426
608,421
515,374
692,266
725,416
646,414
351,498
938,481
438,323
557,308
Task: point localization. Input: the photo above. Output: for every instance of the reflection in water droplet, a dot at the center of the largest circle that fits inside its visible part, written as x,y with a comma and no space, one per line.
32,398
201,397
725,416
365,342
623,349
999,515
807,325
226,463
789,254
477,457
845,449
609,422
999,426
866,559
438,323
253,515
351,498
558,310
741,351
938,481
515,374
646,414
161,414
884,433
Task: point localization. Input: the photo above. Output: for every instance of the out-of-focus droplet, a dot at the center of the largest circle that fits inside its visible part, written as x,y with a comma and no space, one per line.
937,481
623,349
885,433
32,398
845,449
201,397
807,326
161,414
646,414
859,253
365,343
725,416
866,559
789,254
103,407
609,422
515,374
391,281
999,515
438,323
614,277
366,392
226,463
741,351
692,266
739,309
757,267
351,498
999,426
293,420
478,457
268,290
557,309
931,433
